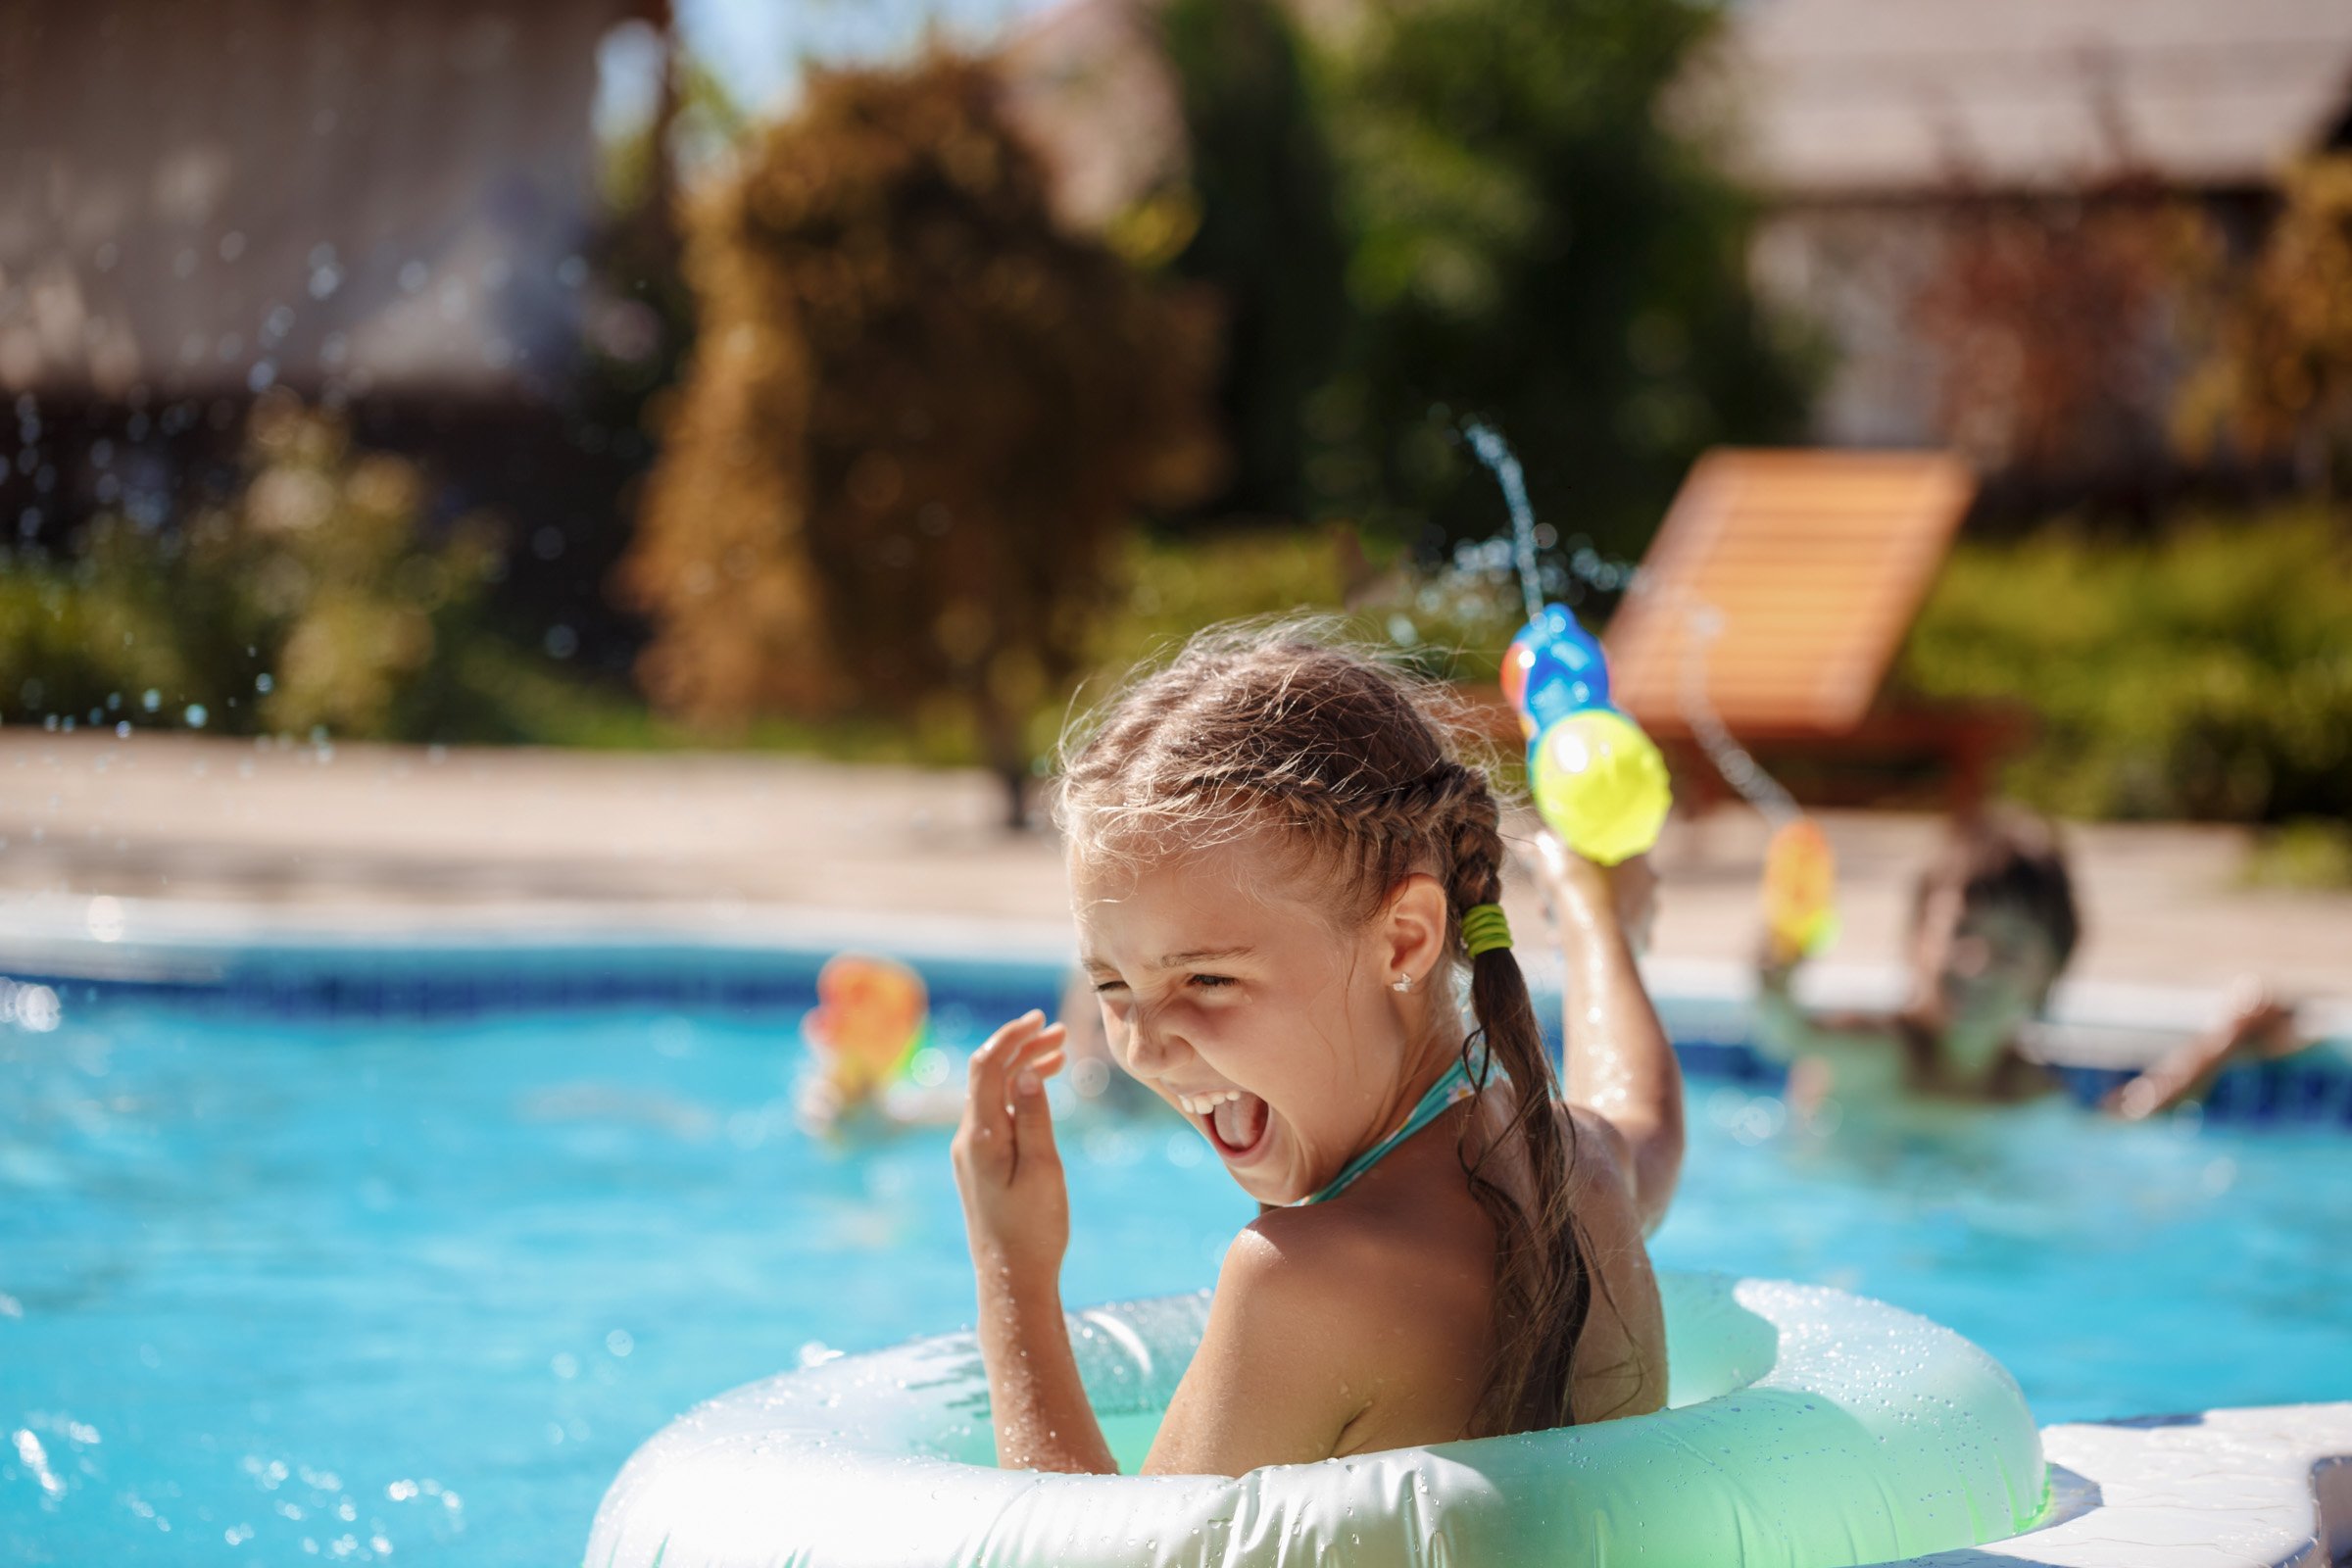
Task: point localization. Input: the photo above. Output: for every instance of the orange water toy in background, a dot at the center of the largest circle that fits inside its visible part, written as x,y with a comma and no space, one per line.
871,1017
1599,782
1800,890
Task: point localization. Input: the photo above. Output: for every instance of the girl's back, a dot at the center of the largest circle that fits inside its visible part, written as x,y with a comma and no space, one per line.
1405,1274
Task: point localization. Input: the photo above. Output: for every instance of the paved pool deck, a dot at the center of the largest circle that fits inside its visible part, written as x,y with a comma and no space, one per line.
413,838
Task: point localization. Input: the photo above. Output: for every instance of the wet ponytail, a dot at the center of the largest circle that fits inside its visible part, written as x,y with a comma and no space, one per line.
1543,1285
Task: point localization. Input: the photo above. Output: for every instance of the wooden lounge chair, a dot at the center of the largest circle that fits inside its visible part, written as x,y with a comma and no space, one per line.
1777,593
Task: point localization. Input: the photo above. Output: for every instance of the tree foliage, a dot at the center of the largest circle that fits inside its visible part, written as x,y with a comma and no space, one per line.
916,422
1532,241
317,597
2280,379
2047,321
1265,188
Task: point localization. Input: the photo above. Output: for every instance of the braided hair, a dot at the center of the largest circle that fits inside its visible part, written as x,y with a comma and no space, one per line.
1258,724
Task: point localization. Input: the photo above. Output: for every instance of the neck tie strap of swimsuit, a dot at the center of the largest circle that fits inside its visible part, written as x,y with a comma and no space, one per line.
1452,1087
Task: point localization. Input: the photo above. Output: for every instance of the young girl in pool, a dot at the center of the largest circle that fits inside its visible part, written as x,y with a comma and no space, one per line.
1282,877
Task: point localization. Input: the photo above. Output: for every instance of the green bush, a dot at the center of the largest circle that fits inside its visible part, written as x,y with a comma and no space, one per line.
86,641
2205,674
315,599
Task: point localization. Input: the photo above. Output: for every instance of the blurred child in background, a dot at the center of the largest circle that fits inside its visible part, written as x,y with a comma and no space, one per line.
1994,924
871,1019
869,1032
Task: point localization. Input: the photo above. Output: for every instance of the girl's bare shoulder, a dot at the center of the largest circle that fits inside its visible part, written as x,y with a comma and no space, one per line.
1370,1261
1317,1339
1406,1263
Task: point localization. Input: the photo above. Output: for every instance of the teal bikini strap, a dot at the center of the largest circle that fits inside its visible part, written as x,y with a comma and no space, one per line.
1452,1088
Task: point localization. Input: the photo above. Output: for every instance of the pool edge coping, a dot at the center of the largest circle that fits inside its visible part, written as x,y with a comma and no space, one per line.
2254,1487
95,937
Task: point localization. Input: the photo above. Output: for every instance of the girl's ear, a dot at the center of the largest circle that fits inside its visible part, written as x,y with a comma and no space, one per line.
1413,929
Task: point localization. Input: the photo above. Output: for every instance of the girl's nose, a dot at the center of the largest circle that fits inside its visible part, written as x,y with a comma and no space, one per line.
1151,1049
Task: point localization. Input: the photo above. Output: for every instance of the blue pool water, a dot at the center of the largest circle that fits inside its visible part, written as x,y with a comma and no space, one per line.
365,1289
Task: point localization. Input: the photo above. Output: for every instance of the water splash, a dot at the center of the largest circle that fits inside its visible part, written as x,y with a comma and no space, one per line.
1497,453
1702,623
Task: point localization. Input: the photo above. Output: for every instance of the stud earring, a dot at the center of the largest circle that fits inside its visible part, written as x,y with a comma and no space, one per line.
1404,982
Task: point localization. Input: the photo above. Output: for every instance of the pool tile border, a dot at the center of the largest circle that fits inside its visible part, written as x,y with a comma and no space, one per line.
229,964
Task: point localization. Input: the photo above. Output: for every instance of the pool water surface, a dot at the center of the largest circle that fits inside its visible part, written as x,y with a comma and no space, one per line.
358,1291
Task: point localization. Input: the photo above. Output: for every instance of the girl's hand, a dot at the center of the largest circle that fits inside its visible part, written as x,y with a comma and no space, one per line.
1016,1207
2260,1025
1579,889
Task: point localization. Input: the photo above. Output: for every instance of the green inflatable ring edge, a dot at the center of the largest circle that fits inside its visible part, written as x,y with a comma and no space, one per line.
1807,1428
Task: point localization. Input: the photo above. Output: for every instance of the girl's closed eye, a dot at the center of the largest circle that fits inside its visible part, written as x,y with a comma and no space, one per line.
1211,981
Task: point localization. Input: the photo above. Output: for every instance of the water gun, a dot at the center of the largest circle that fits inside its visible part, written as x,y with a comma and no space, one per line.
1599,782
1800,892
871,1017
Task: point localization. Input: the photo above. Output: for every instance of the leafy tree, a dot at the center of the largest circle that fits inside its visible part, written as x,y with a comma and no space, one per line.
2046,318
916,422
1267,238
1535,242
2280,379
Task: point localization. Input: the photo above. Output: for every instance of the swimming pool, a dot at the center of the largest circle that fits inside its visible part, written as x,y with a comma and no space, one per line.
406,1262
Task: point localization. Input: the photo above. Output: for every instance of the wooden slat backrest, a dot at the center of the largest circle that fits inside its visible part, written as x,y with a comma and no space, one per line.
1814,561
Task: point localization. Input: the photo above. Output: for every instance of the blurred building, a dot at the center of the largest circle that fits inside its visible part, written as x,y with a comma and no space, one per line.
1985,207
2022,163
386,208
218,194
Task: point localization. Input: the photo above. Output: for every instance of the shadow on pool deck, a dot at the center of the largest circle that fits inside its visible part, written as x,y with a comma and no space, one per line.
421,837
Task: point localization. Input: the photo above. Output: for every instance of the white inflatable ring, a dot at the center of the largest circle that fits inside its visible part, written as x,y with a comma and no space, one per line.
1806,1429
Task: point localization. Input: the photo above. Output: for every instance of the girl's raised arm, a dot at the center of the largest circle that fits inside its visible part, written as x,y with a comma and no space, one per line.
1016,1210
1619,1064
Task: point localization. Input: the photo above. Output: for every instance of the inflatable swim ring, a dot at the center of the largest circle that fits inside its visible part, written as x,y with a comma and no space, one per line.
1806,1428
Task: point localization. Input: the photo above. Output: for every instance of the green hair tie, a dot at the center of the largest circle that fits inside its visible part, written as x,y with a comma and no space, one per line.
1484,929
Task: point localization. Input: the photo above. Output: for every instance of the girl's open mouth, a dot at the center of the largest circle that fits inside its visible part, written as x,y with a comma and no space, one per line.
1238,1126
